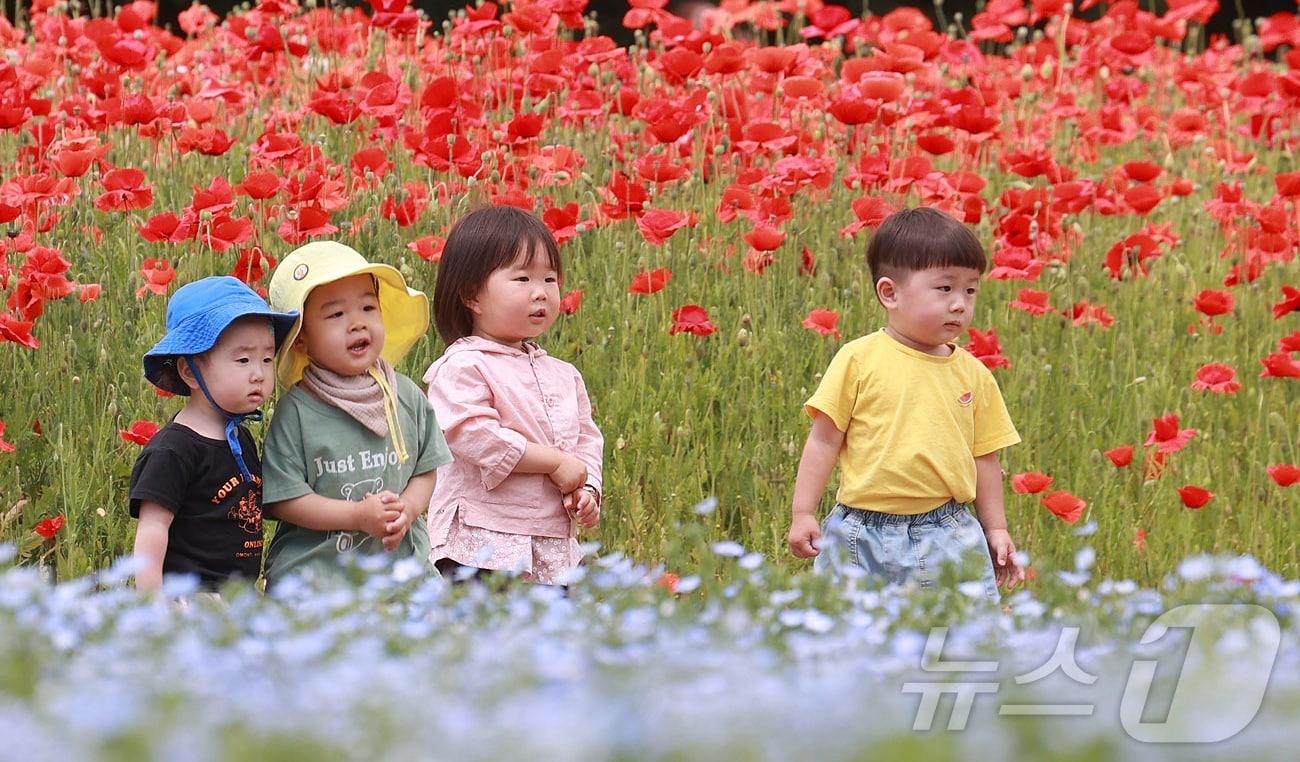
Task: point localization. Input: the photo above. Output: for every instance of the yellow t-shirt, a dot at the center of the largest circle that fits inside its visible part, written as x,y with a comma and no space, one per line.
913,423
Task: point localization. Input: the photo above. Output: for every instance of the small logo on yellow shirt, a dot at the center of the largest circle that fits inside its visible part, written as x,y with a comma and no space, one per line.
966,399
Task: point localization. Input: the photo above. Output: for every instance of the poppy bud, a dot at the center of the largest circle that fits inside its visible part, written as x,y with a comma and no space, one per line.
620,443
742,337
76,379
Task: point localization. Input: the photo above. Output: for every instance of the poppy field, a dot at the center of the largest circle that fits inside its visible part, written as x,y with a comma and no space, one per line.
713,190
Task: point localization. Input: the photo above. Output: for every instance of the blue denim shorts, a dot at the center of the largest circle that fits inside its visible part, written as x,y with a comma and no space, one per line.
896,548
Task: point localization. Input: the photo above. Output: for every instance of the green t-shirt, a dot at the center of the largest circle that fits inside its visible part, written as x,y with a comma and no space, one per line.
314,447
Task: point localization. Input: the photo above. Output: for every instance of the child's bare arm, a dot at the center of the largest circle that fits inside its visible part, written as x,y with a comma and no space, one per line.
567,471
151,544
991,511
312,511
819,455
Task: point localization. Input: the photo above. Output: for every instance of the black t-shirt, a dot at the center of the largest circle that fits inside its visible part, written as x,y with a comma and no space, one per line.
217,530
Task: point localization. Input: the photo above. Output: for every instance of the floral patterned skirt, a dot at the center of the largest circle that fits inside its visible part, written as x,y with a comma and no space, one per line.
537,559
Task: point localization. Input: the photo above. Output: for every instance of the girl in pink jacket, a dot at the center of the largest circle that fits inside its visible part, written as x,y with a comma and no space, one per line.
528,454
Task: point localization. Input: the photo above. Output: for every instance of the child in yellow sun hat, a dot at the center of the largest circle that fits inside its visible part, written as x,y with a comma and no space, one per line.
353,447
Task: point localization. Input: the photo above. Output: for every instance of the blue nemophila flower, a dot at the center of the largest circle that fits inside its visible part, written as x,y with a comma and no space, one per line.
729,548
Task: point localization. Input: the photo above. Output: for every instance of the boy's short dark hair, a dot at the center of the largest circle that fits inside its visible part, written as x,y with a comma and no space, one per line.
483,241
919,239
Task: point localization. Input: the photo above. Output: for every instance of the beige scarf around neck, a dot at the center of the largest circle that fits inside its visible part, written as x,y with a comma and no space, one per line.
369,398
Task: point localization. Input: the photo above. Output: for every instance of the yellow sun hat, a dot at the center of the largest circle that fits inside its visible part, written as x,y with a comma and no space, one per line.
405,310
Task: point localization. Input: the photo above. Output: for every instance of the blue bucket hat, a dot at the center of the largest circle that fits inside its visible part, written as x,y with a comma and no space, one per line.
197,315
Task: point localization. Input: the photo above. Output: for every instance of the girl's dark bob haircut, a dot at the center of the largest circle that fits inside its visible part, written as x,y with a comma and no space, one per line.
919,239
482,242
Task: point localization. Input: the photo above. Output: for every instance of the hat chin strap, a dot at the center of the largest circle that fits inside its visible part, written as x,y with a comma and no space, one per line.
232,422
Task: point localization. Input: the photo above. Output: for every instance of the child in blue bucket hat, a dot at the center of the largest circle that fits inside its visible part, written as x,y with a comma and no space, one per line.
197,486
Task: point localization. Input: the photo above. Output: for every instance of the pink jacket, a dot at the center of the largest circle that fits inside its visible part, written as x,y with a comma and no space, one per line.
490,400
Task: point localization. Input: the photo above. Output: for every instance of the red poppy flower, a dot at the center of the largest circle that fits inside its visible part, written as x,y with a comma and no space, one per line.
1121,456
809,264
197,18
226,232
1280,365
658,225
1210,302
89,292
1143,198
1195,497
1067,507
571,302
1289,303
765,237
17,331
125,190
74,156
1167,436
1290,343
259,185
216,199
209,141
1288,184
311,222
1132,255
158,275
566,222
253,265
692,318
5,446
1284,474
429,248
987,348
823,322
870,211
851,110
48,528
680,64
1033,301
650,282
140,432
1031,483
1084,313
1141,171
168,228
406,206
1140,539
1218,378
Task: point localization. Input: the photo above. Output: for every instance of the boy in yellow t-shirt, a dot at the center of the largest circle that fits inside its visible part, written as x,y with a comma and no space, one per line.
914,421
